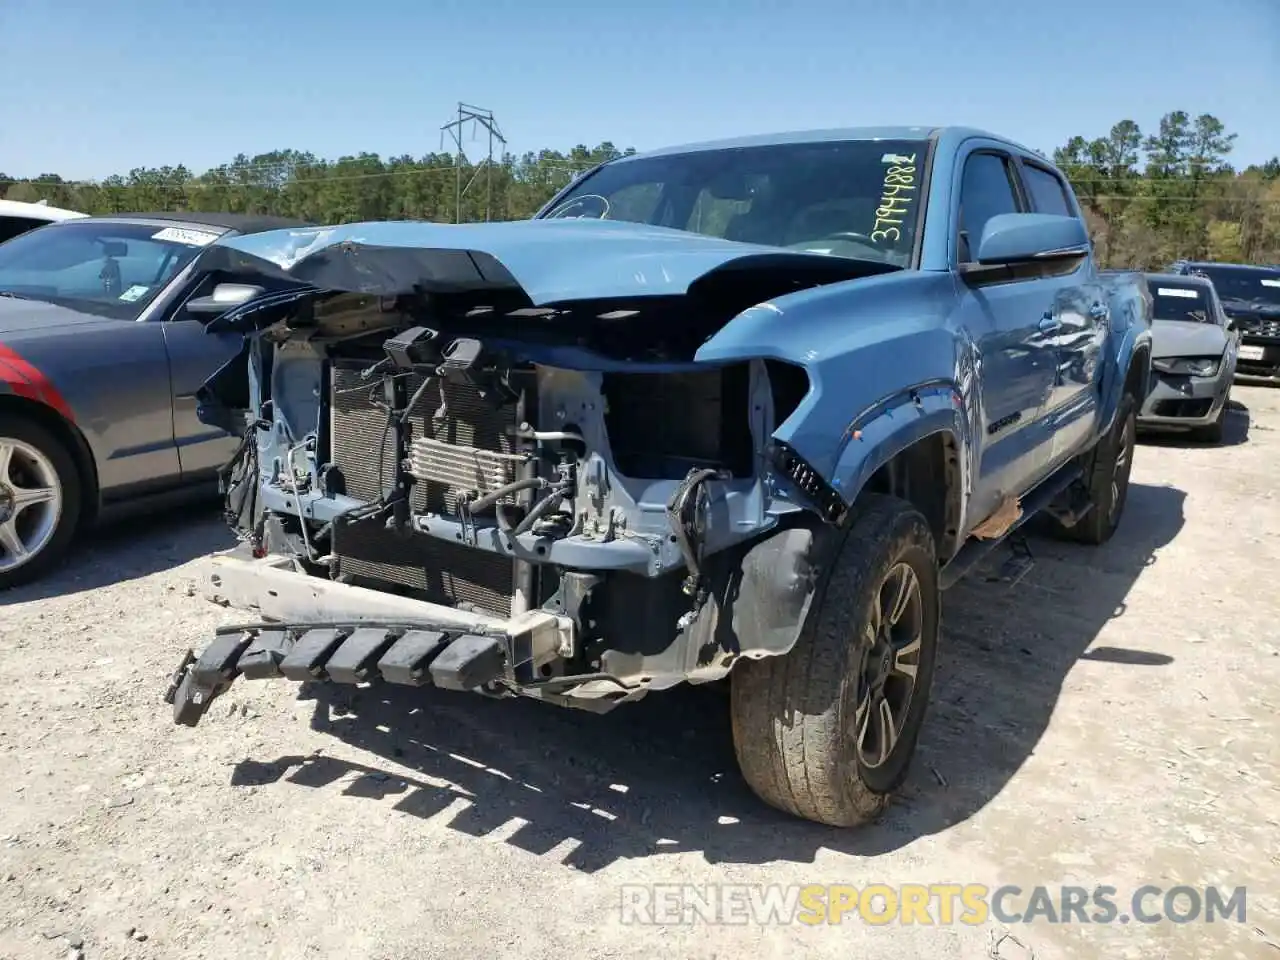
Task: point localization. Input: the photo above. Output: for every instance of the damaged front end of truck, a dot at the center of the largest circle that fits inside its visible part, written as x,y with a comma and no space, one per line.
495,458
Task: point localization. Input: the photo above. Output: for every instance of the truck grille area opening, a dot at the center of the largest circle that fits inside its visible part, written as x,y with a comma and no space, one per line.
662,425
434,569
361,445
464,444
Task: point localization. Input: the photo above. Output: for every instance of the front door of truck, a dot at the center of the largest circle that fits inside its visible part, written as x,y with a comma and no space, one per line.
1007,322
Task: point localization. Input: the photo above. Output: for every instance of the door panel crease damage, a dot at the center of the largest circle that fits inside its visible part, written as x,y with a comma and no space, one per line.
558,500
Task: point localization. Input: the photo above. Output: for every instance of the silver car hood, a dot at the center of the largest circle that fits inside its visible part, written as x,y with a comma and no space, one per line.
1182,338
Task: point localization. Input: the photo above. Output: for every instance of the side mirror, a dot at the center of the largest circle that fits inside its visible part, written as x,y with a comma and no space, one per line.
1231,326
224,297
1014,238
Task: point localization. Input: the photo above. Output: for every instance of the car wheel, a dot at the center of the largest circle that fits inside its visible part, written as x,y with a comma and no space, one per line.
827,731
1108,479
39,501
1213,432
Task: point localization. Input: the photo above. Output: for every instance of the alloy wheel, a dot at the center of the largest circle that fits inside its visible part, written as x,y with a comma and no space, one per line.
889,662
30,502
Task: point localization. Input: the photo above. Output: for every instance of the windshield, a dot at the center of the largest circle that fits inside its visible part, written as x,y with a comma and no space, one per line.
1247,285
859,198
111,269
1185,302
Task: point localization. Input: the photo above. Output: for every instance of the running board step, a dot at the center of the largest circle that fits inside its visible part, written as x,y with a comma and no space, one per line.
402,654
974,551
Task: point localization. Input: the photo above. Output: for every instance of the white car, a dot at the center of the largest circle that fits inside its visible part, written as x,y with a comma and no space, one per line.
17,217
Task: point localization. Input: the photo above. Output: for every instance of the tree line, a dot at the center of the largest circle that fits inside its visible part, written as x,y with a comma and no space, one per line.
1149,198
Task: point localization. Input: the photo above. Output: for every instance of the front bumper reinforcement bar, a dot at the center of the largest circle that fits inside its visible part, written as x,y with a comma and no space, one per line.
407,654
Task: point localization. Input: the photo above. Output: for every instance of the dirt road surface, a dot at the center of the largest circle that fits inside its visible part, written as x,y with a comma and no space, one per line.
1112,720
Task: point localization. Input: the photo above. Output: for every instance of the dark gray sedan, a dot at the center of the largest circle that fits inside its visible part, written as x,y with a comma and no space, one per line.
102,350
1194,348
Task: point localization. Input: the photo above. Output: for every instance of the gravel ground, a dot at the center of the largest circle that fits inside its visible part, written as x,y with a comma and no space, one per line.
1110,720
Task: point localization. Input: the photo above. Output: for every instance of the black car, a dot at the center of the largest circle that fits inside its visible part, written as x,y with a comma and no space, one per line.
1250,295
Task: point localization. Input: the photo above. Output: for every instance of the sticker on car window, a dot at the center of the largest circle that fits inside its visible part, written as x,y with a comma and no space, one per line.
1271,283
190,238
1178,292
136,292
896,195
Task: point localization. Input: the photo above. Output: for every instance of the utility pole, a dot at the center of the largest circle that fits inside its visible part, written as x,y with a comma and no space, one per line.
477,117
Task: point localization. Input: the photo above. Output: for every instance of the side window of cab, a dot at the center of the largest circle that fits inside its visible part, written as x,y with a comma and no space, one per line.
1047,192
987,189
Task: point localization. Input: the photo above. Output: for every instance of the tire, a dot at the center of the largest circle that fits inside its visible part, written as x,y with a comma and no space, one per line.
35,459
1213,432
1108,472
794,715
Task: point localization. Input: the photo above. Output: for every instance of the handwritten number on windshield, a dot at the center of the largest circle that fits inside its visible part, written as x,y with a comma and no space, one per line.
895,200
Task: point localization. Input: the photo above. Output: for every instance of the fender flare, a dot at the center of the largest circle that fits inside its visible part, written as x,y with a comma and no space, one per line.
1134,347
885,429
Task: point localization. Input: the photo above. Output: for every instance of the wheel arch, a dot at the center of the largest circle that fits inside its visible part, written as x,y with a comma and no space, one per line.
927,473
71,438
1130,374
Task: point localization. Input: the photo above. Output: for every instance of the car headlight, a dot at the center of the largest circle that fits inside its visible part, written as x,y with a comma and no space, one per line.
1188,366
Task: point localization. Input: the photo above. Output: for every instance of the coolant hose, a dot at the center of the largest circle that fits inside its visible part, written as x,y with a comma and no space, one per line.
489,499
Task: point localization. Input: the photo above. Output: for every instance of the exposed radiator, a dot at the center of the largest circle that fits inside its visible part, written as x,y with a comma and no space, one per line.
468,448
443,572
473,448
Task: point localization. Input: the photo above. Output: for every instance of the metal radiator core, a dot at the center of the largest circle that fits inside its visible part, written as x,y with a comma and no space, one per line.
362,444
442,571
469,447
462,468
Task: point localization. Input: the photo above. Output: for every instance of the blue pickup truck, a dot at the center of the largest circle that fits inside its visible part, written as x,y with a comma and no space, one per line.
739,410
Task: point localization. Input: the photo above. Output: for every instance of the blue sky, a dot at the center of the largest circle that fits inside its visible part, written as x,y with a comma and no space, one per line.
93,89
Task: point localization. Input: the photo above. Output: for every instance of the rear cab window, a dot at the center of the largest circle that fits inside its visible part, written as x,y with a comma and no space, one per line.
1047,192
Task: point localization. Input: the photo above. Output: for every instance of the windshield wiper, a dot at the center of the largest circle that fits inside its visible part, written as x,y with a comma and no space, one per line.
14,296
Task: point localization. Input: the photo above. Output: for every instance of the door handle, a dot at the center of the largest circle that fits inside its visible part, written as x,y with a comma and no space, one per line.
1099,311
1050,324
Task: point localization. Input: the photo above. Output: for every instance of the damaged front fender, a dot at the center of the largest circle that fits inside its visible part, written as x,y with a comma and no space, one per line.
883,372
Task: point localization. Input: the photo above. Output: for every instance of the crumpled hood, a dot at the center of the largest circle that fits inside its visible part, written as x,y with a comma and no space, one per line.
1181,338
23,316
550,260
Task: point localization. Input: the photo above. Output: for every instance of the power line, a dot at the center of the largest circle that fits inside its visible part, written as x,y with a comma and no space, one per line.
478,117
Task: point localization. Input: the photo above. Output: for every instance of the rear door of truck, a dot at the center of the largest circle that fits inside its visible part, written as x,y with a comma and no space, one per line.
1079,320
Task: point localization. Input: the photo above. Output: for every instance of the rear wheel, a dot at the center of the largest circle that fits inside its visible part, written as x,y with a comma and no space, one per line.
39,501
1107,476
827,731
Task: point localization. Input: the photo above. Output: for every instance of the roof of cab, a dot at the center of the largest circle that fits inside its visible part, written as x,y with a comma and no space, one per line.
1197,264
1192,279
37,211
832,135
